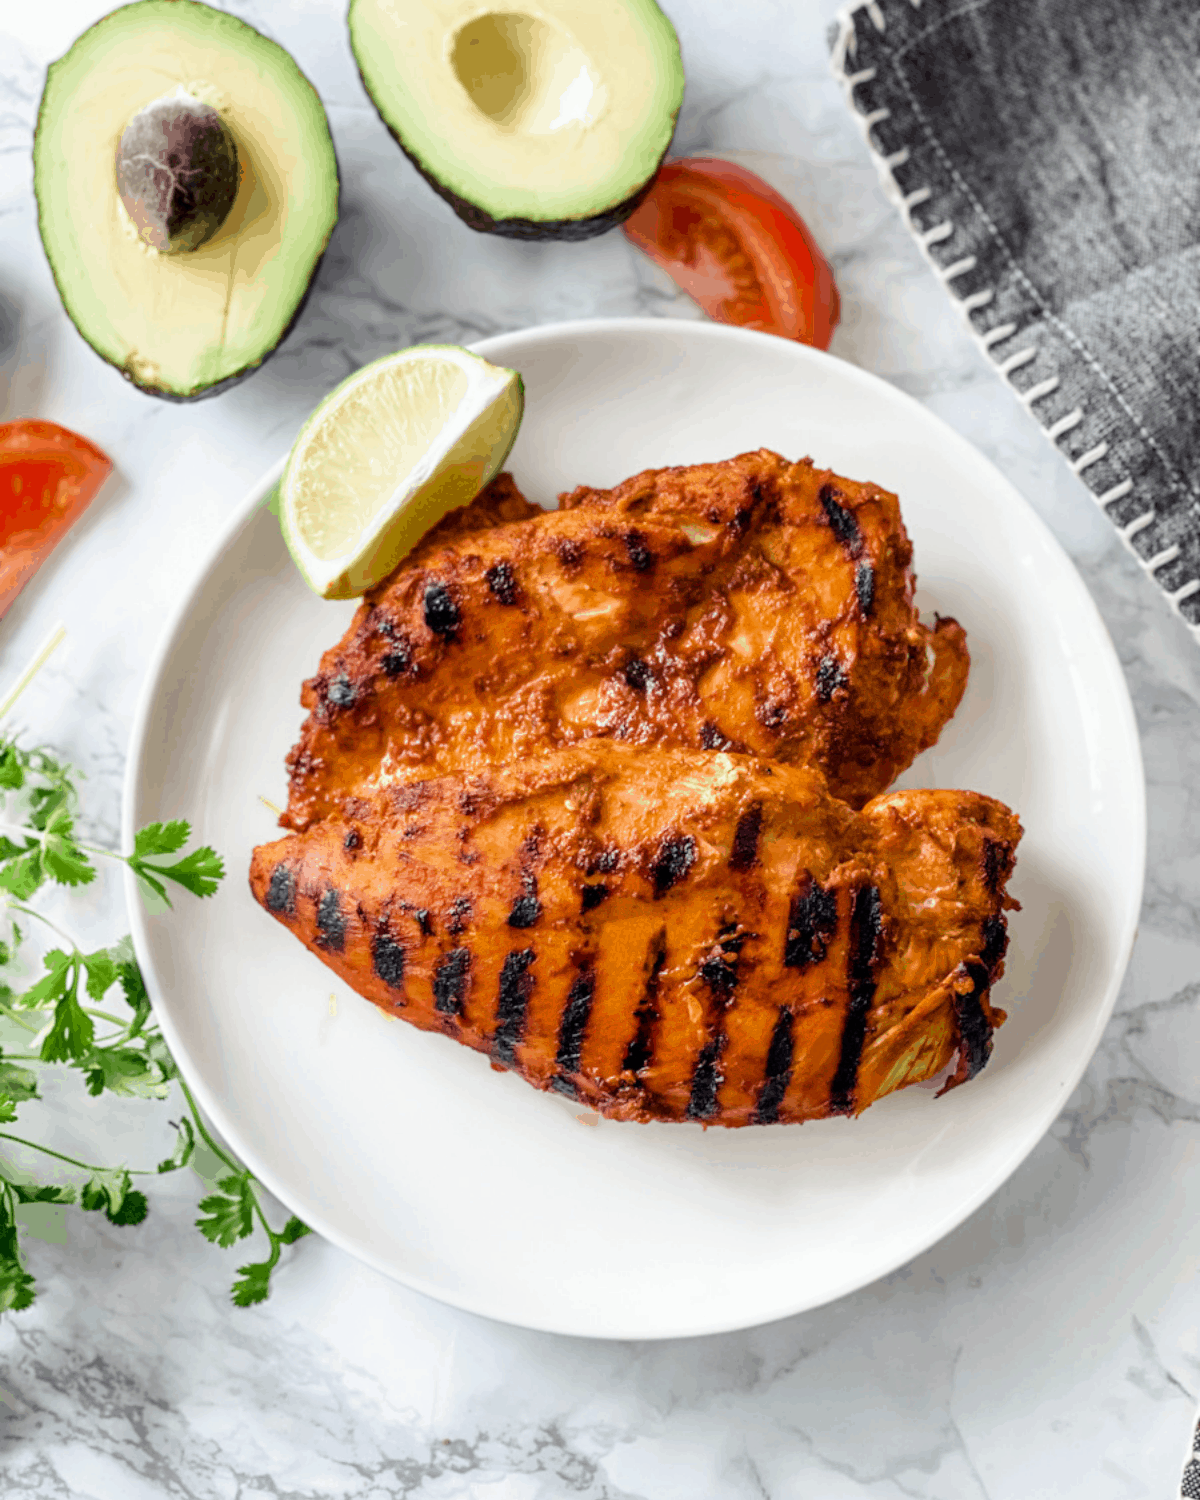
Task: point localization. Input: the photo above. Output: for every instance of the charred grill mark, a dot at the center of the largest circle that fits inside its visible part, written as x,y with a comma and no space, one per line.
396,662
569,553
996,856
604,863
638,674
459,915
281,892
674,859
707,1079
441,613
387,956
341,692
574,1021
974,1029
864,587
719,967
995,943
812,921
640,554
592,895
450,981
711,737
830,678
423,920
516,984
502,582
866,930
352,841
641,1045
779,1069
526,909
745,838
841,521
331,924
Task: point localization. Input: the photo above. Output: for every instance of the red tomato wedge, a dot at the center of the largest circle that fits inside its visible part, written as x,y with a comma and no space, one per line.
48,476
739,248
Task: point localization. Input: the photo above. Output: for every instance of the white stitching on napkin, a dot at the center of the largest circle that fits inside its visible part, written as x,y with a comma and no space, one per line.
1064,425
846,45
1167,555
1043,388
1017,361
1092,456
938,233
959,268
997,335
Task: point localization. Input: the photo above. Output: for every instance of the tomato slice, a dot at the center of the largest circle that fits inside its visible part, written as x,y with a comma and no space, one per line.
48,476
739,248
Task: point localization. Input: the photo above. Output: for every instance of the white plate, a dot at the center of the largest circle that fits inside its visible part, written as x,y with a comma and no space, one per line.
409,1151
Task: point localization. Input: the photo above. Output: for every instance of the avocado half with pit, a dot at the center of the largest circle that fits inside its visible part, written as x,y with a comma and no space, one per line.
186,188
540,121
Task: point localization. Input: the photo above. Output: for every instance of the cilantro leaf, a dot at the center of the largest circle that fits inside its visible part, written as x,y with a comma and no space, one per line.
200,871
255,1283
34,1192
51,985
62,858
161,838
295,1229
125,1070
230,1212
101,973
16,1285
12,767
8,1108
132,984
22,877
185,1146
72,1032
112,1191
17,1083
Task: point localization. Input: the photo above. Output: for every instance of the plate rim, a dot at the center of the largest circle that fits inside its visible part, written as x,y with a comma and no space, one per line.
217,1114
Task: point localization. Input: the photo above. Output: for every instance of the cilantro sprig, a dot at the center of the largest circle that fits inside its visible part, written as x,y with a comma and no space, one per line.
90,1012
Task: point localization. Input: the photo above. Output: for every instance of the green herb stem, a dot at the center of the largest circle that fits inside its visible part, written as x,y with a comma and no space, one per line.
202,1129
71,1161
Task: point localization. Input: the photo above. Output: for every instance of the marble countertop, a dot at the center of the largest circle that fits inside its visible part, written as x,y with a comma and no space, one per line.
1049,1346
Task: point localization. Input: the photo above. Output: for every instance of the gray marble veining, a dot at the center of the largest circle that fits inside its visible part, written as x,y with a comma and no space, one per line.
1048,1347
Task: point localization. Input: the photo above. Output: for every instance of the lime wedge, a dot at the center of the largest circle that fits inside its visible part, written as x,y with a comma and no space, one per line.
386,455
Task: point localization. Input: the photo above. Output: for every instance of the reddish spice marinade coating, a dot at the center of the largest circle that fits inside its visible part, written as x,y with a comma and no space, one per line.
667,934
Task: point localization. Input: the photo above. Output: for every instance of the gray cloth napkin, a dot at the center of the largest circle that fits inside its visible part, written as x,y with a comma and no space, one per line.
1047,156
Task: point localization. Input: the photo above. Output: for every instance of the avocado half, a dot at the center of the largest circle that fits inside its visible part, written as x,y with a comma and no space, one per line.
186,187
548,120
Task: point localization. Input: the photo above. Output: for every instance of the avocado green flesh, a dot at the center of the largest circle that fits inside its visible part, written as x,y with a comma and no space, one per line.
183,325
532,120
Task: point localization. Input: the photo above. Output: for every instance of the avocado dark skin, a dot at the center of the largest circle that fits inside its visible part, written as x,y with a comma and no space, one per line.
177,173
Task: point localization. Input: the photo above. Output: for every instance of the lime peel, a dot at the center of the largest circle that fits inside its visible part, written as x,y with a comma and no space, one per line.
386,455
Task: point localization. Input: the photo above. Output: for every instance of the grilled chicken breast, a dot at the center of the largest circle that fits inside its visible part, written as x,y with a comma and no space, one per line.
756,606
666,934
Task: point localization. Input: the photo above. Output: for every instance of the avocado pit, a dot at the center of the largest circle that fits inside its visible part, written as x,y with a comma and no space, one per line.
177,173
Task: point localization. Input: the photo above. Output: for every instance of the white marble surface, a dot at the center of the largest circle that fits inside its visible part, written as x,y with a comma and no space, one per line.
1048,1347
